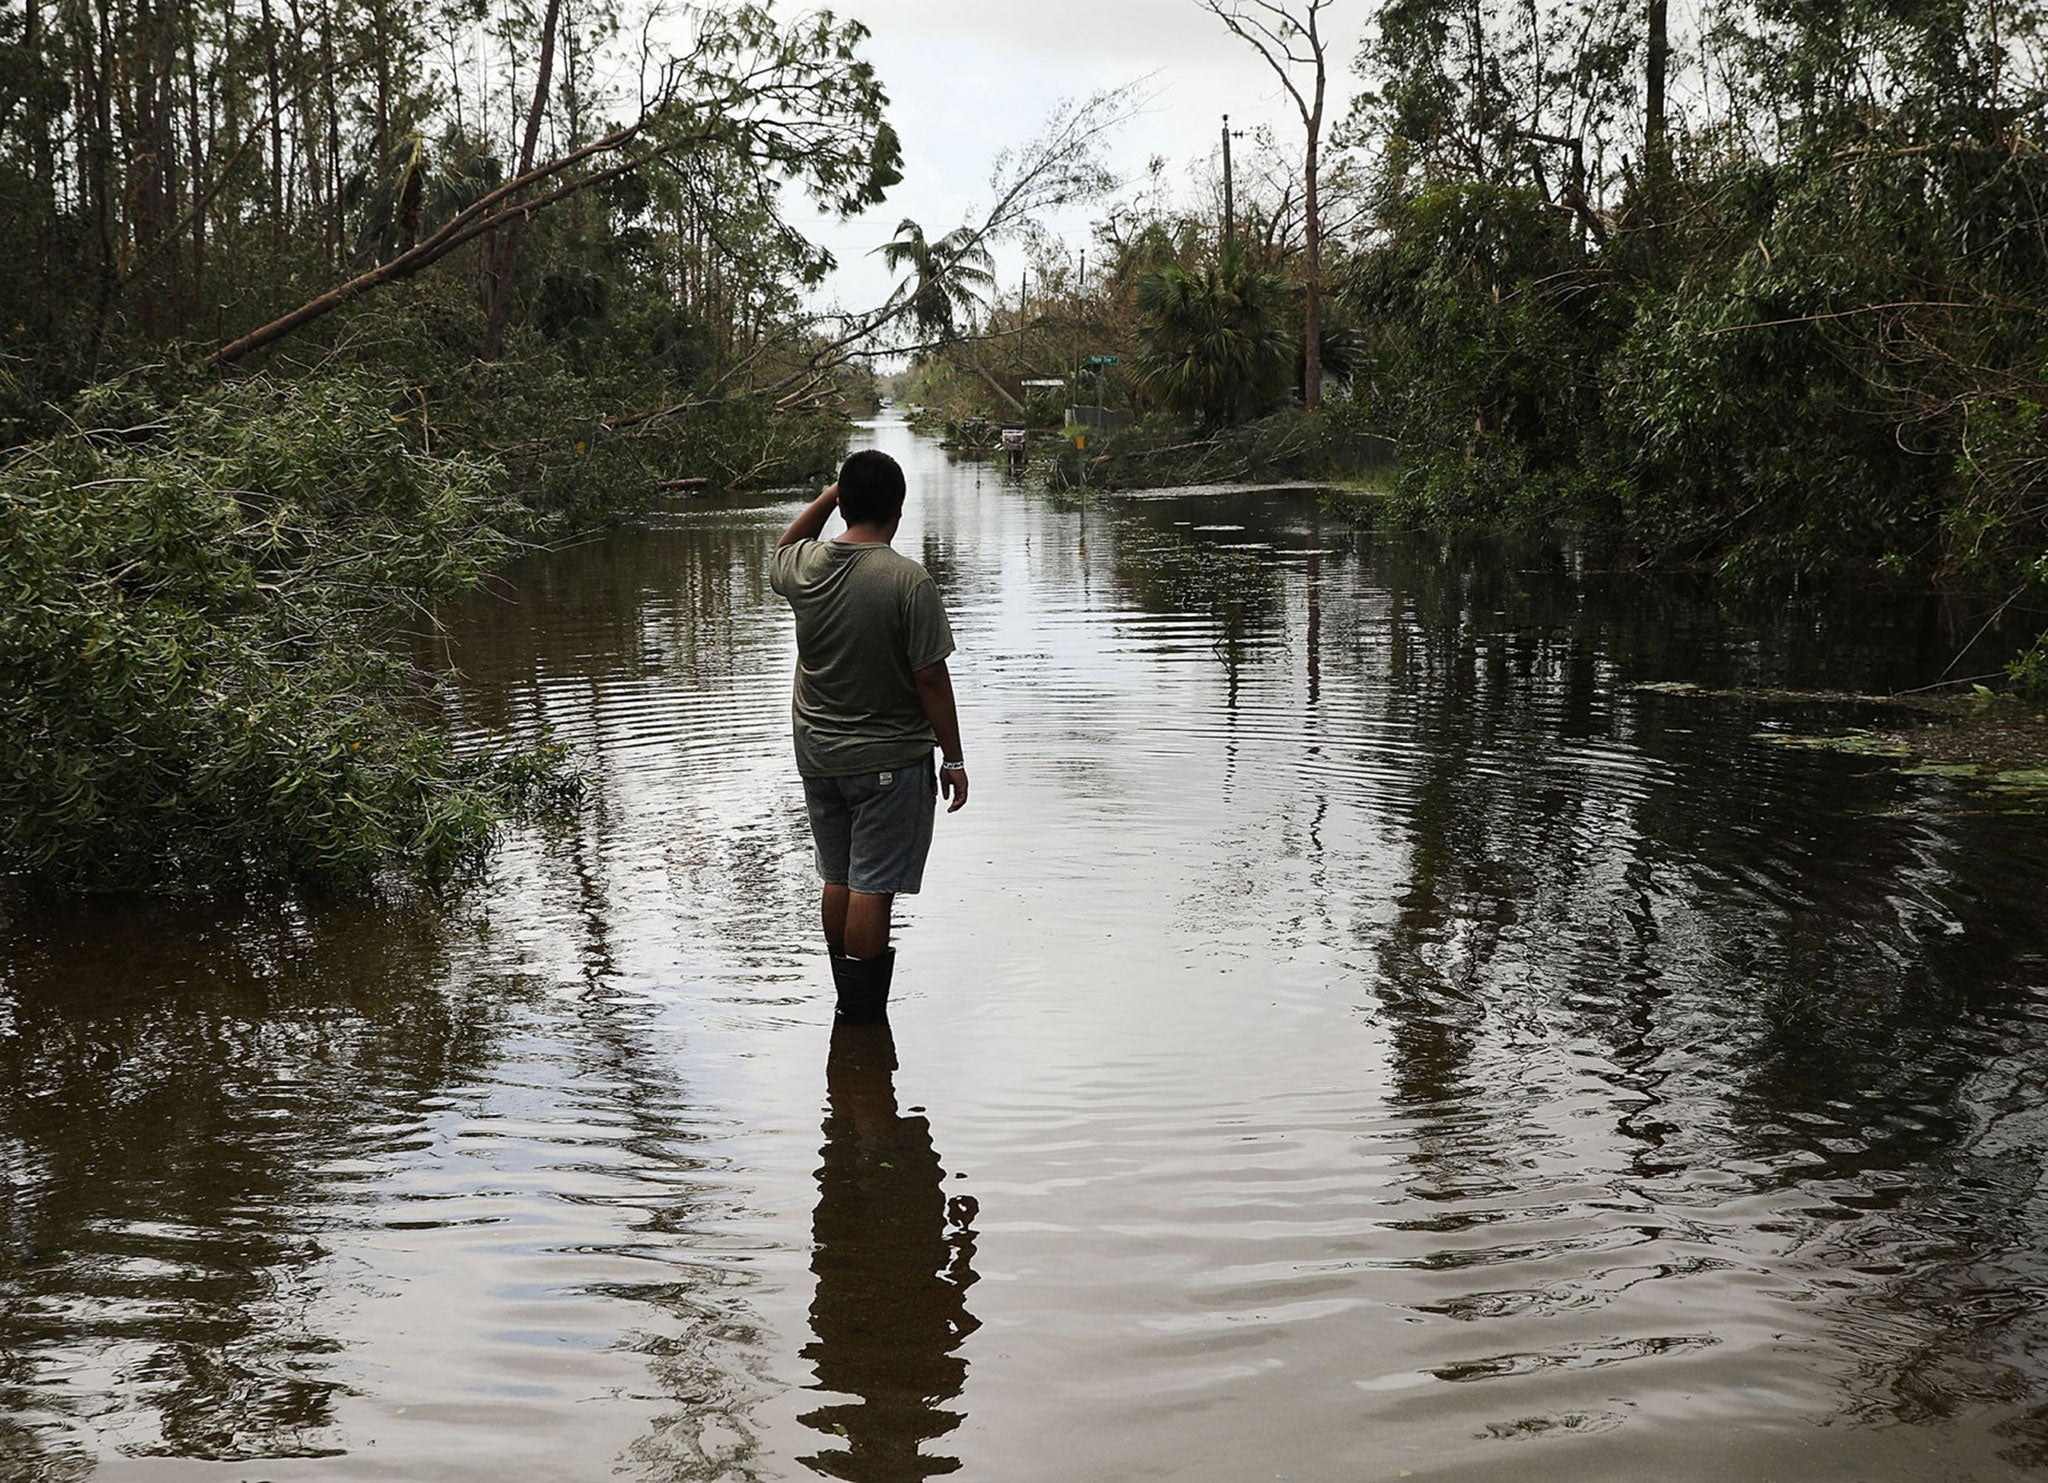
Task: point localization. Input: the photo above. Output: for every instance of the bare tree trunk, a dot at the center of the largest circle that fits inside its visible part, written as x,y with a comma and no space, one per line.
195,216
42,164
974,361
303,171
1475,27
141,168
195,149
1289,43
276,136
1312,234
501,254
336,232
99,153
1656,147
95,162
380,31
172,168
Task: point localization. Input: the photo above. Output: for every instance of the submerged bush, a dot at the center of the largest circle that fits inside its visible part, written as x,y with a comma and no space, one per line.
195,683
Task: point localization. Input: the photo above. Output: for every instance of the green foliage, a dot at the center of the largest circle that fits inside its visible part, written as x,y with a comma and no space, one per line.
1803,335
949,276
794,98
1829,361
2028,671
1331,443
543,416
1756,448
1045,406
1214,342
1777,415
196,684
1485,332
197,681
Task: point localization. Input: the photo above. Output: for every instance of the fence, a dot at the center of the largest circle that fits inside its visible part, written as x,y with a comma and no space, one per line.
1100,418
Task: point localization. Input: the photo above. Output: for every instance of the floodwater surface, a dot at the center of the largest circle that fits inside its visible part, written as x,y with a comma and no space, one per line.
1353,1032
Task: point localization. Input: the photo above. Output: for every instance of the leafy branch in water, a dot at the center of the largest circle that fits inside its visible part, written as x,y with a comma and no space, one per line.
198,683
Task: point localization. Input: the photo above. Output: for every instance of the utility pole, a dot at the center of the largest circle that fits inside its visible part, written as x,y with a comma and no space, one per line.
1080,303
1229,200
1288,36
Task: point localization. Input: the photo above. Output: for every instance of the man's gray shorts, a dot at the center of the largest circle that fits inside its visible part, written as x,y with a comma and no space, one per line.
873,830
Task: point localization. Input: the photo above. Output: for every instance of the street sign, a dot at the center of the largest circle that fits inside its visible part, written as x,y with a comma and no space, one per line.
1102,360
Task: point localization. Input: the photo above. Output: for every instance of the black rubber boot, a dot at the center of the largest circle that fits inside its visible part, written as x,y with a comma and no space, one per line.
863,985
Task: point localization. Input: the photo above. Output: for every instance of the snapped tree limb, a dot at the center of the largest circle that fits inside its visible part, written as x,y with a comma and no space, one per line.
484,214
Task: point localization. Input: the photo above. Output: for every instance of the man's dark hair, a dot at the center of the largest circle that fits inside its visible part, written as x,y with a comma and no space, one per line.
870,488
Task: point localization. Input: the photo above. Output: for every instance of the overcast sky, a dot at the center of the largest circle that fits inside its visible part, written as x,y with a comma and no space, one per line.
968,78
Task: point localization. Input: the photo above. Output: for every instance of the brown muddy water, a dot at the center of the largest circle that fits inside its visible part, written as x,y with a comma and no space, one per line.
1351,1034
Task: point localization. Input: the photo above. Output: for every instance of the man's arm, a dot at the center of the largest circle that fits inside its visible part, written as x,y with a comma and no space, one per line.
935,694
811,523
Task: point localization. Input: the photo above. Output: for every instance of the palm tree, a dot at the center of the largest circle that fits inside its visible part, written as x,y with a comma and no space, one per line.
949,276
1214,342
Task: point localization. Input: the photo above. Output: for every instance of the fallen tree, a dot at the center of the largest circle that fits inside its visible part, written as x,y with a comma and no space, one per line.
796,101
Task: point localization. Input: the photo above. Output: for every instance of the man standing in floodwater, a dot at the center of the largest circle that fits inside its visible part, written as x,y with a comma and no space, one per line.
873,699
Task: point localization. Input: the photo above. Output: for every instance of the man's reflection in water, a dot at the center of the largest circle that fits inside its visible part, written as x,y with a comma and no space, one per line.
893,1256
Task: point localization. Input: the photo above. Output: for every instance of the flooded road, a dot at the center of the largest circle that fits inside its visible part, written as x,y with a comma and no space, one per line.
1353,1033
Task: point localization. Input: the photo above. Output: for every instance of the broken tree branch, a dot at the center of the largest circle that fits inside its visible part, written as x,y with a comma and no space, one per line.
486,213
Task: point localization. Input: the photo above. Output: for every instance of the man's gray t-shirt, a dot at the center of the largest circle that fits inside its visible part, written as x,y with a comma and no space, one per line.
867,617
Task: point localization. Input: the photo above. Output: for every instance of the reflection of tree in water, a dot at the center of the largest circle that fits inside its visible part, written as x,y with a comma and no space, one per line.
678,599
169,1086
936,555
1839,1003
705,1351
1434,966
175,1092
1476,841
1898,1079
710,1360
1164,570
893,1258
657,656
